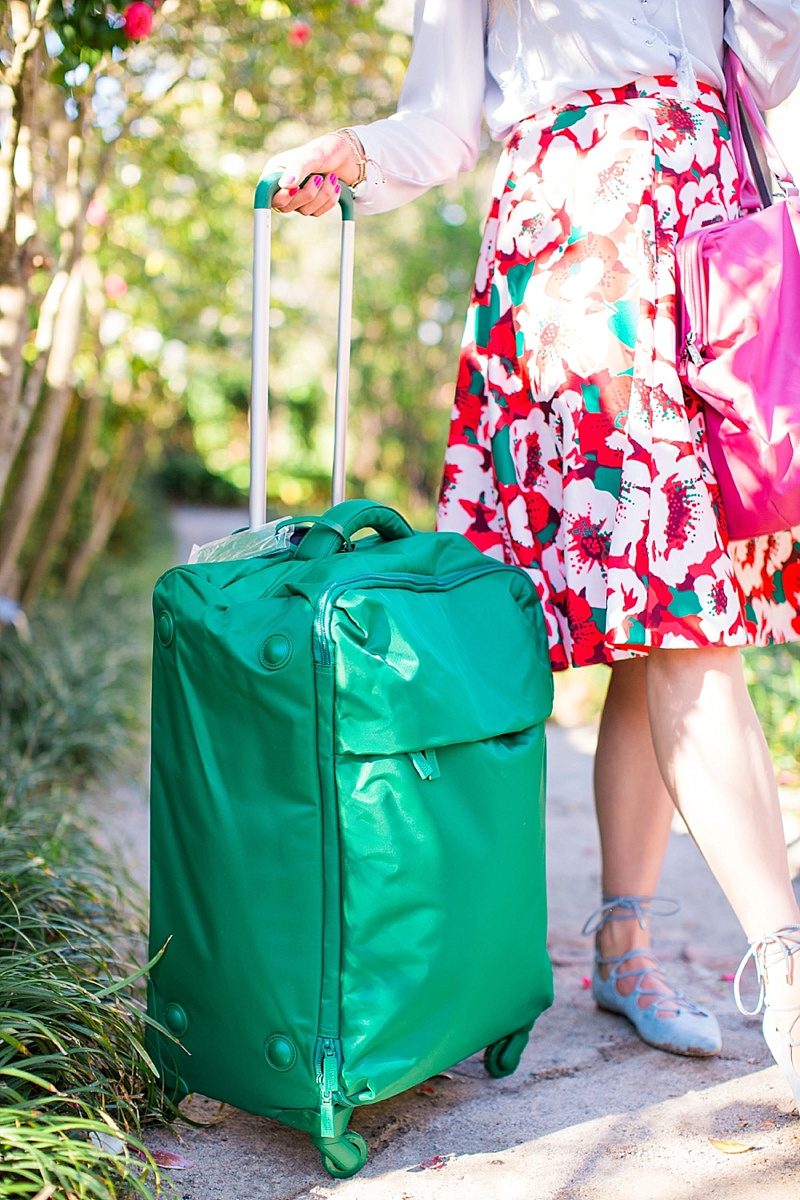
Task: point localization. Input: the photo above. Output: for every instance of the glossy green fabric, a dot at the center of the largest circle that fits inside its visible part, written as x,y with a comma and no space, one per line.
347,820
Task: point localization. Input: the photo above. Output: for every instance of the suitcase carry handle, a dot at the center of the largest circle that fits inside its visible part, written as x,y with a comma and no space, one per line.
334,529
259,387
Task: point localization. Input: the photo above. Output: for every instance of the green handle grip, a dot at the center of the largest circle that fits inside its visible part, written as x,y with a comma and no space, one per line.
345,519
268,185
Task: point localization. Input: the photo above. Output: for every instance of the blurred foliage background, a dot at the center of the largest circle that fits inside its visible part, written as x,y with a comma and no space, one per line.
130,274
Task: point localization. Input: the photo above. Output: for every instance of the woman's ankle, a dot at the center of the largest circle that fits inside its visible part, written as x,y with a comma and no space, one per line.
618,937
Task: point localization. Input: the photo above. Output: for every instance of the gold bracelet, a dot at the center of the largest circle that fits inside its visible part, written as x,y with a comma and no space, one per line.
362,159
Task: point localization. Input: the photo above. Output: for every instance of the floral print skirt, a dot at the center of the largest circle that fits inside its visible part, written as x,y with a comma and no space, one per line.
573,450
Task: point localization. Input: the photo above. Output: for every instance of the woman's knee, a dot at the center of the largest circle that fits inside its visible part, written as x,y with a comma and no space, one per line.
695,661
685,675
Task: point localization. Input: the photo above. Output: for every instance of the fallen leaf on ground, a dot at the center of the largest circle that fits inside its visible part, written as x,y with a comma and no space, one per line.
731,1145
586,983
170,1161
434,1164
425,1089
767,1124
107,1142
444,1075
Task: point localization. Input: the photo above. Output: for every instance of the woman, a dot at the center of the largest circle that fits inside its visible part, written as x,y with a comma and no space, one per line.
573,451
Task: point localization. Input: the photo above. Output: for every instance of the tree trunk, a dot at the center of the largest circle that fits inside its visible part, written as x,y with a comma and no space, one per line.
92,411
44,442
13,274
13,331
113,493
22,413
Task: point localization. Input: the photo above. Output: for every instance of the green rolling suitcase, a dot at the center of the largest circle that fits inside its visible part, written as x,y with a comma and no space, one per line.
347,805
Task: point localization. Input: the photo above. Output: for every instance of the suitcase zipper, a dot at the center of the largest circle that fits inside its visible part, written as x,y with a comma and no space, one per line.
328,1081
422,583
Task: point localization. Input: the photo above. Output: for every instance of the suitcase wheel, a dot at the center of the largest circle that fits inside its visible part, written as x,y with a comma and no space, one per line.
502,1057
343,1156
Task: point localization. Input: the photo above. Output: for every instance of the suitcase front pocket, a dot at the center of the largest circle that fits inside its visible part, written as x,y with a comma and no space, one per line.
443,906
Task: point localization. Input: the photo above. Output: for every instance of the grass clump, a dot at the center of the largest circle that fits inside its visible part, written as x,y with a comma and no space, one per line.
76,1082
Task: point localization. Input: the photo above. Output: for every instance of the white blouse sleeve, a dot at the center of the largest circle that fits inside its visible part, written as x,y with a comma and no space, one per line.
766,36
435,132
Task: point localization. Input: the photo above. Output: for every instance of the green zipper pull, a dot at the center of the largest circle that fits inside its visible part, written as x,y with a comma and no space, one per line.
328,1080
426,763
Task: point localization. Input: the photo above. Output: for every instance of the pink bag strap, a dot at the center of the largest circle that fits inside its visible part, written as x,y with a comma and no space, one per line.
737,86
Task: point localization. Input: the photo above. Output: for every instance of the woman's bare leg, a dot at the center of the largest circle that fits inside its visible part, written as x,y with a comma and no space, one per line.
714,760
634,808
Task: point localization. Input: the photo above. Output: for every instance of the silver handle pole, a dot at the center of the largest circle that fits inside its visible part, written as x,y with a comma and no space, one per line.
259,387
342,397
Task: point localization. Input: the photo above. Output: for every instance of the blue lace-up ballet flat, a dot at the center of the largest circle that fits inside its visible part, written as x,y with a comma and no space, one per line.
670,1020
781,1026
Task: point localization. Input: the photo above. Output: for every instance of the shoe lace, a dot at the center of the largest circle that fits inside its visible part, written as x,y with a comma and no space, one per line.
766,952
674,998
639,909
629,908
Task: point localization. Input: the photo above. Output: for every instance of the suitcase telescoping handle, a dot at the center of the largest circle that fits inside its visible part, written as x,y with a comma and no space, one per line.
259,388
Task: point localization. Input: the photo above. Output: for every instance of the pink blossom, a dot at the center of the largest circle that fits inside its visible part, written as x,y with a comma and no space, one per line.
138,20
115,287
299,33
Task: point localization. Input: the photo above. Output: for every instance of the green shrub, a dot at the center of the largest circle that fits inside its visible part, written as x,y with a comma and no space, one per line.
76,1083
773,676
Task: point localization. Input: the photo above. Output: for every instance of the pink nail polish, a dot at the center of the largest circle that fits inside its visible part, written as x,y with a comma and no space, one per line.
293,191
338,188
333,178
317,180
285,180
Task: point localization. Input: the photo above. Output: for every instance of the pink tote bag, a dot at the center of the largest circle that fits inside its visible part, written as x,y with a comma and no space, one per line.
739,335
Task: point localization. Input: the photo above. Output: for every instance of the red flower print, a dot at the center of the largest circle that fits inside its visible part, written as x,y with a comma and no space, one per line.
680,519
791,582
450,474
480,531
538,511
138,20
594,430
533,461
719,599
503,338
588,541
675,117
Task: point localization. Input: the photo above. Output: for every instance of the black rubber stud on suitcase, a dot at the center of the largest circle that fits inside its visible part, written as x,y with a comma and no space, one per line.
502,1057
343,1156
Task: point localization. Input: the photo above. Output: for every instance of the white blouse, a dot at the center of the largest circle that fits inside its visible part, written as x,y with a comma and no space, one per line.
537,52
